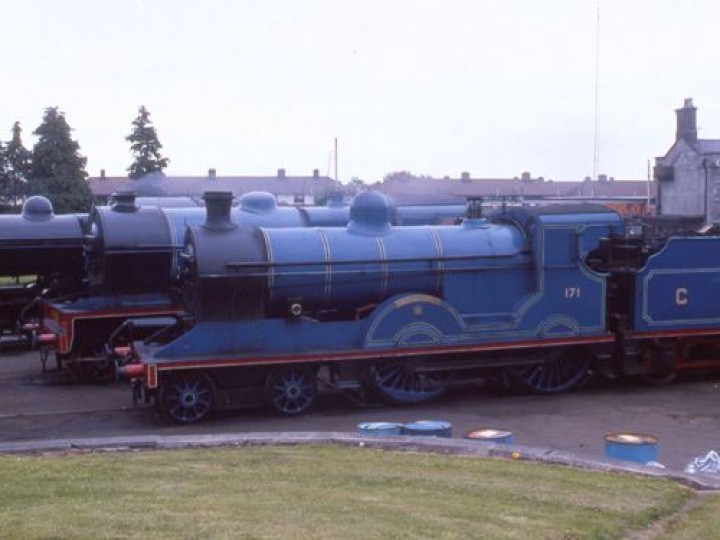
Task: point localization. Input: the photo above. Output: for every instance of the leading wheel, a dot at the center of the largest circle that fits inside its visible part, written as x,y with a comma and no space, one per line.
659,378
291,390
396,381
559,373
100,371
187,398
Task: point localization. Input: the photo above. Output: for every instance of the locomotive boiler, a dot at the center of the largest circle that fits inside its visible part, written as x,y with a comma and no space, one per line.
399,311
39,252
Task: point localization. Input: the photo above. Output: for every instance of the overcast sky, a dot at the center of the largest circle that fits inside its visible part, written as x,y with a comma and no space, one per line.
434,87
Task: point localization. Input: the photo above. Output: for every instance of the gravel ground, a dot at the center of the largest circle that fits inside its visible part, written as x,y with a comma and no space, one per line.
684,416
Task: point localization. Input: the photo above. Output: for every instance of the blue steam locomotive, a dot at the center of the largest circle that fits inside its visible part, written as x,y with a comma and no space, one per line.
541,295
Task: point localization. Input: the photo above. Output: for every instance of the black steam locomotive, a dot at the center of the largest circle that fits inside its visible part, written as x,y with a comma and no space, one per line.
41,254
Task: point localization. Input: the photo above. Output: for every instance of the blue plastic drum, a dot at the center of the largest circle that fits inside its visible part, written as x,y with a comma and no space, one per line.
499,436
631,447
428,428
380,429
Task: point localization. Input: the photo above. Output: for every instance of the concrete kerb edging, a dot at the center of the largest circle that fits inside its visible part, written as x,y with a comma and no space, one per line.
460,447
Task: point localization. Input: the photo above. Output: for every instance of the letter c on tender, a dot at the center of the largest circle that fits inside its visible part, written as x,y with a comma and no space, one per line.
681,296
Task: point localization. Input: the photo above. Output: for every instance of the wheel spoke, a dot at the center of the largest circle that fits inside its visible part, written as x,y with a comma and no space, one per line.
560,373
188,398
395,382
291,390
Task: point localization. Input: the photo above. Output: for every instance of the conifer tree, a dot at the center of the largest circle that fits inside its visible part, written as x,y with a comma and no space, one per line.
19,160
18,157
4,187
58,169
145,147
15,162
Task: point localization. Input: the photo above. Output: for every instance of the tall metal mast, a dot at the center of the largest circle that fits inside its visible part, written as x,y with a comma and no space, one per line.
596,142
337,179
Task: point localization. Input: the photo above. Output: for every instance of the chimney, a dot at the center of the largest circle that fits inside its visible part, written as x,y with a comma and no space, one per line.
102,174
218,205
687,122
465,176
123,201
525,176
281,174
316,173
212,173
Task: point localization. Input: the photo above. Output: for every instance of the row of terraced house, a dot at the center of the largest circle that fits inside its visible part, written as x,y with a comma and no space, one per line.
686,183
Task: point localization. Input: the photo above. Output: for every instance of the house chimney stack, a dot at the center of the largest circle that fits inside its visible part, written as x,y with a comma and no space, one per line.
687,122
281,173
212,173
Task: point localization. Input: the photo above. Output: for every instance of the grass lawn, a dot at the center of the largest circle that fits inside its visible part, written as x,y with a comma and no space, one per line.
16,280
322,492
701,521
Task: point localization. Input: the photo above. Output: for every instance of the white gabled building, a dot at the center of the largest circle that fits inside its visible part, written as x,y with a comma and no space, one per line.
688,176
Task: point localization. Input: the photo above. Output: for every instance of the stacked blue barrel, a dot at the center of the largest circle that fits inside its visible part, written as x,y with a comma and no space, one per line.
427,428
636,447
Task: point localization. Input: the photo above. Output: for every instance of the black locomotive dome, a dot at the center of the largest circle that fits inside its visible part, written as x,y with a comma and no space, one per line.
258,201
37,208
370,213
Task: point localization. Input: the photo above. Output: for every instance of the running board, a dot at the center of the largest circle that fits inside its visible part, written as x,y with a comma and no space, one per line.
454,365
